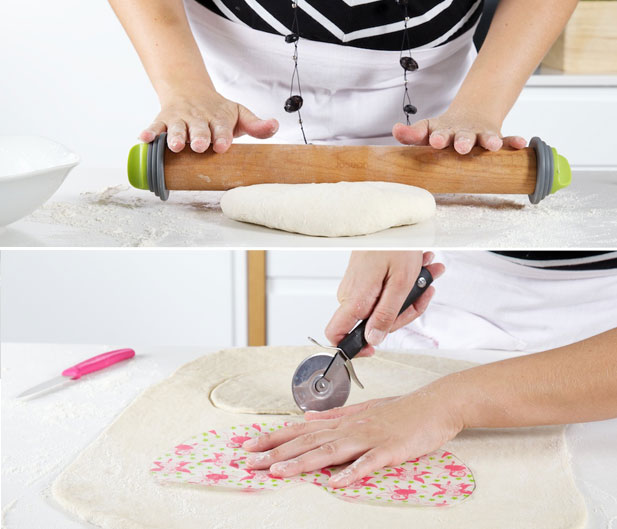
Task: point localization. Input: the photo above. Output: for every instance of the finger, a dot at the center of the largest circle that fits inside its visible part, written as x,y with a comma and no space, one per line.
291,449
514,142
411,313
268,441
464,140
416,134
249,123
415,311
372,460
427,258
328,454
350,311
490,141
176,135
436,270
440,139
367,350
222,128
343,411
386,310
199,135
152,131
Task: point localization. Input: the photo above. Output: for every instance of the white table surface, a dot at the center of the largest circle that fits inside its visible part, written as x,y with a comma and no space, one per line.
42,435
583,215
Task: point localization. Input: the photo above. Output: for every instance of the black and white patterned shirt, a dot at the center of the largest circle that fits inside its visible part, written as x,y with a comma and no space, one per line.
563,260
370,24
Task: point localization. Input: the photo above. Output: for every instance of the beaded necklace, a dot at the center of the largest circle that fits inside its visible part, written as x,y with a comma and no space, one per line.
294,102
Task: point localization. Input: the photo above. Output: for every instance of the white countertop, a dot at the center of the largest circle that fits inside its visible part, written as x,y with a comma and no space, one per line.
95,207
42,435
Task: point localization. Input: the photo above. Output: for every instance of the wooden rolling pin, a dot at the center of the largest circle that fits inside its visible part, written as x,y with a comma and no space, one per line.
536,170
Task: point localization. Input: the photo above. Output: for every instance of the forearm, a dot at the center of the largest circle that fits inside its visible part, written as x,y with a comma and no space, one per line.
521,33
161,35
575,383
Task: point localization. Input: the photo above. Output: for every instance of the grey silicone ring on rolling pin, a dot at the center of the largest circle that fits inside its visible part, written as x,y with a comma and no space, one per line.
544,168
156,166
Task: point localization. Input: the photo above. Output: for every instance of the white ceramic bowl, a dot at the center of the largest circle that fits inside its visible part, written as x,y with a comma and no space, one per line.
31,170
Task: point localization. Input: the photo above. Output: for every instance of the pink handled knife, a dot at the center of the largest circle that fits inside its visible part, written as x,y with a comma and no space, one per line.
83,368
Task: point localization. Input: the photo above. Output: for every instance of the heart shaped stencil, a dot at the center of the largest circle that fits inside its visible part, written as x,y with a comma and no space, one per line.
216,459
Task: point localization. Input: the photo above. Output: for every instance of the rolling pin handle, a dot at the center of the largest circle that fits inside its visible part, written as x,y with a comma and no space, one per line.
544,170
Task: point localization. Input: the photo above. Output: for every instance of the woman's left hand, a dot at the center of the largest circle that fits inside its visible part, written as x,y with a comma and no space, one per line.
373,434
462,128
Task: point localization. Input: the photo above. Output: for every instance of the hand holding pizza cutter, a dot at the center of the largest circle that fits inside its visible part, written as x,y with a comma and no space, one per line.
323,381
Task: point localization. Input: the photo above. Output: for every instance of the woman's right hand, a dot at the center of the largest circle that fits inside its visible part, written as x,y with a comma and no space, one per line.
375,286
206,118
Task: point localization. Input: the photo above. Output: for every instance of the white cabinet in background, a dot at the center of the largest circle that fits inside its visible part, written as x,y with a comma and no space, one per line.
576,114
301,294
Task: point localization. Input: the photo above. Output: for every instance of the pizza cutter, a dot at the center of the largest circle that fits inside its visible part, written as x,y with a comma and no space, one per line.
323,380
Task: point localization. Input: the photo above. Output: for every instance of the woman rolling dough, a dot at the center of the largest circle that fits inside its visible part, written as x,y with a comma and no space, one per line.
559,303
369,69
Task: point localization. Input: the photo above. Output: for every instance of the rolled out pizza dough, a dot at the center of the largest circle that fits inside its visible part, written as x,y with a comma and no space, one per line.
268,391
523,477
329,210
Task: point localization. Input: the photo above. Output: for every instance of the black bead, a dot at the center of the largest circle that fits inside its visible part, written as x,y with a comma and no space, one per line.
408,64
292,37
402,2
409,109
293,104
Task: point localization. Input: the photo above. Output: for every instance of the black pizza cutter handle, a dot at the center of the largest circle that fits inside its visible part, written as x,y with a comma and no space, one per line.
355,341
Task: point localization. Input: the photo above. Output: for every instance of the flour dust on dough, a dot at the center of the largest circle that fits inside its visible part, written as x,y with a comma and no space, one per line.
329,210
268,391
523,476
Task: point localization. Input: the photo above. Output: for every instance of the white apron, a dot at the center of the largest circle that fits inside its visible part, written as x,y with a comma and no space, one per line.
484,301
351,95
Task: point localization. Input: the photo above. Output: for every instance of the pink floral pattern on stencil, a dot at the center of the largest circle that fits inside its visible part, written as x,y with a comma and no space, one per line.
216,459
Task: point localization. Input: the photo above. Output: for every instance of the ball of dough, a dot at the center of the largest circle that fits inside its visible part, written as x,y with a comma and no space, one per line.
329,210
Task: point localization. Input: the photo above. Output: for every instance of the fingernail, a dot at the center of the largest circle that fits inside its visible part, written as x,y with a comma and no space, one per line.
375,336
256,459
278,468
494,143
251,443
221,142
341,477
464,144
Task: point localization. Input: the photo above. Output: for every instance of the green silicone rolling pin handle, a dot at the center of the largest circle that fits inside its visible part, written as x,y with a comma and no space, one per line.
146,168
552,170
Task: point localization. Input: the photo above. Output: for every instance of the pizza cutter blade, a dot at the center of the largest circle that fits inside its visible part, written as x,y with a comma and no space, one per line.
323,381
313,391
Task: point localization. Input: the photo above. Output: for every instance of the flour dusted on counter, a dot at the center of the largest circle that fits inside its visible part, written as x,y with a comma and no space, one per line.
75,407
127,217
488,215
133,218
